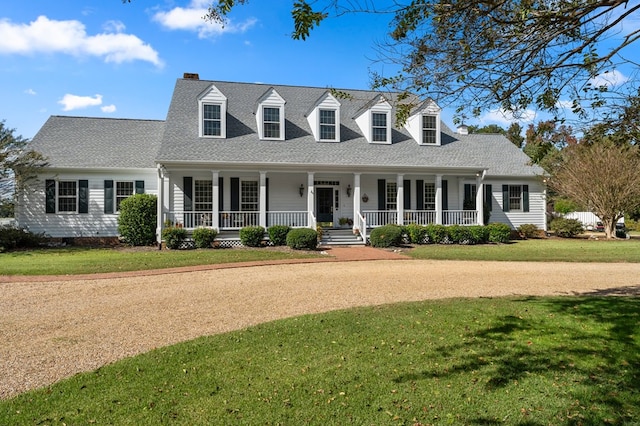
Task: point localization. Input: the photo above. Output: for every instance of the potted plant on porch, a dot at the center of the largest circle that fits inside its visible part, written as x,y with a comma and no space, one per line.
345,222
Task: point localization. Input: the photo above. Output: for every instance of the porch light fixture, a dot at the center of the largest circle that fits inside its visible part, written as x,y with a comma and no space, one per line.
365,198
301,189
348,190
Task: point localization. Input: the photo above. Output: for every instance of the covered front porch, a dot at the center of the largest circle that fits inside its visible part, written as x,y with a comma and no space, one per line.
229,200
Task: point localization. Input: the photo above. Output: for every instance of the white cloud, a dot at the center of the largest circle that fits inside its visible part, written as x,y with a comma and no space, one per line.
70,37
609,79
114,26
71,102
30,92
190,18
108,108
505,118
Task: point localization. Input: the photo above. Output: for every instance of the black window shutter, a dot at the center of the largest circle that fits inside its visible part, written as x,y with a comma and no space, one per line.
488,197
83,196
108,196
467,194
139,187
382,194
235,194
187,188
267,197
220,194
505,198
525,198
420,194
50,195
445,195
407,194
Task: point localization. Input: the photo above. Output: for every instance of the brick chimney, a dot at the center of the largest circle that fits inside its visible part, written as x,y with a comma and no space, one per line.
191,76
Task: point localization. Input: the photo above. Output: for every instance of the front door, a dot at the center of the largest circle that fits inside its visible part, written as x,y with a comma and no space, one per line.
324,204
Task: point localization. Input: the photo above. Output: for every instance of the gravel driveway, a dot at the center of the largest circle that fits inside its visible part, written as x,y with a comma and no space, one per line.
55,328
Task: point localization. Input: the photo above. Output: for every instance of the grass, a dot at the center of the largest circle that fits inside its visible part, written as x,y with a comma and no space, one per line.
88,261
537,250
528,361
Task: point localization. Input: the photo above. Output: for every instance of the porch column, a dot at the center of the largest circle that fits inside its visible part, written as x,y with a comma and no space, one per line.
159,209
439,199
215,194
310,200
480,199
356,196
400,199
263,200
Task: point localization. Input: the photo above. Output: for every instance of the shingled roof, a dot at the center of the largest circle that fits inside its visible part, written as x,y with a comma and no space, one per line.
99,143
181,141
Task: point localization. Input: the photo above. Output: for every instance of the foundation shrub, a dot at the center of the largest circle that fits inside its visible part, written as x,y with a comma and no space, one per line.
479,234
460,235
278,234
528,230
437,234
499,232
386,236
137,219
204,237
174,236
12,238
566,228
251,236
417,234
302,239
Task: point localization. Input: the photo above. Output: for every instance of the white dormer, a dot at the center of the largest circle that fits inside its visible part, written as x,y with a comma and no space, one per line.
324,119
374,121
270,116
212,107
424,124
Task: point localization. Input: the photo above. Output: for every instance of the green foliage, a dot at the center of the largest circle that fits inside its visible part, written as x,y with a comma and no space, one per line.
564,206
437,234
7,207
417,234
278,234
305,19
204,237
252,236
499,233
12,238
386,236
528,230
566,228
174,236
302,239
137,219
16,160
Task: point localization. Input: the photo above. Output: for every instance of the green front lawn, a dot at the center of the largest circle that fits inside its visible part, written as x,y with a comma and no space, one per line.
528,361
537,250
89,261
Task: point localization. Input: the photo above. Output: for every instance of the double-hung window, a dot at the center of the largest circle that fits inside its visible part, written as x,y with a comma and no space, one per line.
271,122
249,196
392,196
123,191
68,196
429,129
327,124
379,126
429,196
515,197
211,120
203,195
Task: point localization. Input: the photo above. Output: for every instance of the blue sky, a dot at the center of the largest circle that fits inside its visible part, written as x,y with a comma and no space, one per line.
109,59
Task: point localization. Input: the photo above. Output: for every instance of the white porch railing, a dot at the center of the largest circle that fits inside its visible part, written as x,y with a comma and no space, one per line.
291,219
188,219
420,217
361,225
460,217
375,218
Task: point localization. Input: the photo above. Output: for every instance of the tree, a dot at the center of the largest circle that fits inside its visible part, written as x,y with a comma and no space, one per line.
480,54
18,164
603,176
544,142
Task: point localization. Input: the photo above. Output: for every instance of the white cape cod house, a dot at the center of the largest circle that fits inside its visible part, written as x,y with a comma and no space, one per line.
230,155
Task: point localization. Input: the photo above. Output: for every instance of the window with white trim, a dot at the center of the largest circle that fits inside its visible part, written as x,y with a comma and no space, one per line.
249,196
429,129
429,196
271,122
515,197
212,120
203,195
123,191
327,124
67,196
392,196
379,126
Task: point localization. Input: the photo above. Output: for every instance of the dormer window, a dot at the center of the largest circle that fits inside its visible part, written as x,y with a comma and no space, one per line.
328,124
324,118
213,114
424,124
379,126
374,120
270,116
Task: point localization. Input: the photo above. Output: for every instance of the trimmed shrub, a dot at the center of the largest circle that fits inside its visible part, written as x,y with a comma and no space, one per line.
278,234
437,234
12,238
460,235
417,234
302,239
479,234
137,219
499,232
386,236
566,228
251,236
174,236
528,230
203,237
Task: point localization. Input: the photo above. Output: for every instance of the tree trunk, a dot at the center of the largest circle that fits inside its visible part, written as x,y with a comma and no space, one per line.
609,227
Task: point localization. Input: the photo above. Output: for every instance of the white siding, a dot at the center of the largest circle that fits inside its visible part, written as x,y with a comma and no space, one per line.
537,205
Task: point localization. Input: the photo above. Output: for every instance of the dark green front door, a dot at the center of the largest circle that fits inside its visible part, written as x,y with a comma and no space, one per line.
324,204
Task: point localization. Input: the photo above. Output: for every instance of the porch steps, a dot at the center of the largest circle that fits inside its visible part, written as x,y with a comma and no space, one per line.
334,237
